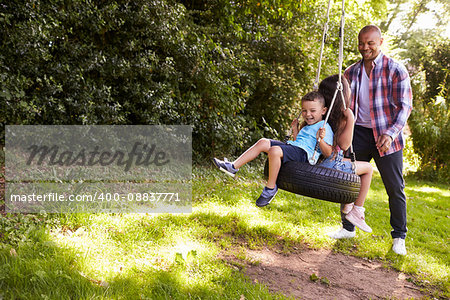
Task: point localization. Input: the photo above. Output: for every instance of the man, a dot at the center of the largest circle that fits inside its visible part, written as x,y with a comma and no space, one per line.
382,103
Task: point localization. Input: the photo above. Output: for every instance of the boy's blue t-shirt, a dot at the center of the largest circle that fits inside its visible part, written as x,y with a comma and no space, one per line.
306,138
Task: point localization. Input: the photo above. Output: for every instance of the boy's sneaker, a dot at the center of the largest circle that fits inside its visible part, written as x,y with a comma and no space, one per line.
225,166
347,208
356,217
342,234
398,246
266,196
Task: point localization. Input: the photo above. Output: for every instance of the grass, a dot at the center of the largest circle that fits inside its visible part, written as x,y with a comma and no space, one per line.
178,256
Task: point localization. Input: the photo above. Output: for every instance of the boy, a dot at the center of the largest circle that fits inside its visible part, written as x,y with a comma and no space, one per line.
301,149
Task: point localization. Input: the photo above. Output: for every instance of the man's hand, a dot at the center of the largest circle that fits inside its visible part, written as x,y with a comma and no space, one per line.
384,143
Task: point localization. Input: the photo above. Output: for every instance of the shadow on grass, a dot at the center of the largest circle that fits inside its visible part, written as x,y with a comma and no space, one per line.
228,216
35,266
32,266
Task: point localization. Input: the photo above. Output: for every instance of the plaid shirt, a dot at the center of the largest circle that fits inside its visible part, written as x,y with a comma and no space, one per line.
390,98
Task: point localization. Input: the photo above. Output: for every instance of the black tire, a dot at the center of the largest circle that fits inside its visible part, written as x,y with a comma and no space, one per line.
318,182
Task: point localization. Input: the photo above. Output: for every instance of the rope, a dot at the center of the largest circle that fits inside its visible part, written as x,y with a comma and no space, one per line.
316,81
313,160
324,37
341,58
341,41
339,87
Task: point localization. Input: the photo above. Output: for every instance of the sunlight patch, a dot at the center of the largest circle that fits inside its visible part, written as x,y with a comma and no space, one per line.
428,189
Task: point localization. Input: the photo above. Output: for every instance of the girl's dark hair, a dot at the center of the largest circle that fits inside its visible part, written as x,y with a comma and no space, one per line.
327,88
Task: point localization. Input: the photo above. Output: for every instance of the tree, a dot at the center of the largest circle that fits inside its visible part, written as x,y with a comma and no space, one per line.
426,52
234,70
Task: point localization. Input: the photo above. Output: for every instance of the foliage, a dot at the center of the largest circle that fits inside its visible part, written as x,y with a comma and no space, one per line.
427,54
429,121
231,69
430,127
104,63
411,160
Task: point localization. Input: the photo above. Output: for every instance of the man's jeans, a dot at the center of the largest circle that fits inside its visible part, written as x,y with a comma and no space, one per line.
391,171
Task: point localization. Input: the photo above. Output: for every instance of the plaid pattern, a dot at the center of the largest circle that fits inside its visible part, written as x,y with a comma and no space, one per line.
390,97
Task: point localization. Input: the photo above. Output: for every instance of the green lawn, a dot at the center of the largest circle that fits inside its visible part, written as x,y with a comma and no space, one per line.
144,256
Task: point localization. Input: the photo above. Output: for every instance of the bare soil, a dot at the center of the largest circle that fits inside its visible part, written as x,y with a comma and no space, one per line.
323,274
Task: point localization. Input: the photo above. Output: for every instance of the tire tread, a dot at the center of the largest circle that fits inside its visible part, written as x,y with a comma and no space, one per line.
318,182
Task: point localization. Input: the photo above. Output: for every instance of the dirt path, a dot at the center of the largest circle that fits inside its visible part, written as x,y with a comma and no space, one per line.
323,274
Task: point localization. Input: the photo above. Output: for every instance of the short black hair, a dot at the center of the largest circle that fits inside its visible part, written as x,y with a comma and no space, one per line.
369,28
314,95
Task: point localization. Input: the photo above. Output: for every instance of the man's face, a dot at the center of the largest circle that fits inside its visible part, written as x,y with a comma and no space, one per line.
369,44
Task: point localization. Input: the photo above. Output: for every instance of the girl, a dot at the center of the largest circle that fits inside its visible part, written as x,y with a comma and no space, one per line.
342,123
302,149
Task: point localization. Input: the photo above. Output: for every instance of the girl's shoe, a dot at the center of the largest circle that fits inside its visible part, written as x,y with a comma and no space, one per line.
356,217
347,208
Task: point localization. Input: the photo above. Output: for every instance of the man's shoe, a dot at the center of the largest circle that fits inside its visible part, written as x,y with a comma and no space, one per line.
225,166
356,217
266,196
398,246
347,208
342,234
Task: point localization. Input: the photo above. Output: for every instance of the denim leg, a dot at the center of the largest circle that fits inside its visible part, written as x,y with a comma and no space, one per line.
391,171
364,144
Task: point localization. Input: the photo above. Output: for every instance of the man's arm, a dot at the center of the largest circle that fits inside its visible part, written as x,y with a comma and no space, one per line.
402,99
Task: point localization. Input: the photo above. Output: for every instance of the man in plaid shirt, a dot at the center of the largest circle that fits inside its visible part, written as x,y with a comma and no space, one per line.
382,103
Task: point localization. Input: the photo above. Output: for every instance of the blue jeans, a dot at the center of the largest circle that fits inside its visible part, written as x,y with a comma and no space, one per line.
337,162
391,171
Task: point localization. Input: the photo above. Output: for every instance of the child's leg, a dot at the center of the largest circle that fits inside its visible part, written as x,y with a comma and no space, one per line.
275,156
356,216
364,170
270,190
263,145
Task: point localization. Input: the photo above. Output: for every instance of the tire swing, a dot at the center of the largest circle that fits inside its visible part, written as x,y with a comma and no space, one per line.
315,181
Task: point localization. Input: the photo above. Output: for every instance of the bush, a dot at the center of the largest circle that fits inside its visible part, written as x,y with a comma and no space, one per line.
429,121
430,127
232,70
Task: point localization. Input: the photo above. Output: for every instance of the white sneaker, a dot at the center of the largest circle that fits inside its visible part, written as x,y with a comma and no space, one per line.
398,246
342,234
347,208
